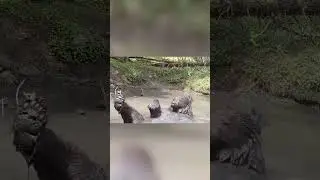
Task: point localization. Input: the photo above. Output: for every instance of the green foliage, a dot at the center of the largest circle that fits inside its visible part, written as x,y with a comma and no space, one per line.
133,72
21,11
69,39
71,44
96,4
280,56
200,85
231,41
195,78
296,76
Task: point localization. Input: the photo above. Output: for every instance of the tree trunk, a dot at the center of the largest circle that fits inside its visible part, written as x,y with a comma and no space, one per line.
262,8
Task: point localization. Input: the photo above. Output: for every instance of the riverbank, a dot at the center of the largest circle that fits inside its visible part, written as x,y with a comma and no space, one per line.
279,56
142,74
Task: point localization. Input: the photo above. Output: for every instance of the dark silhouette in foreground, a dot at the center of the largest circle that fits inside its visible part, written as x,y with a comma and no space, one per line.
51,157
128,113
235,146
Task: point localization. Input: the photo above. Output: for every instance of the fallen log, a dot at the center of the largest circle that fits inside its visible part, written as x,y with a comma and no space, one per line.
167,63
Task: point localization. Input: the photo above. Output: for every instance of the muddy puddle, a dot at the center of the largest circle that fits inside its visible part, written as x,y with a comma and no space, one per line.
290,137
200,104
178,151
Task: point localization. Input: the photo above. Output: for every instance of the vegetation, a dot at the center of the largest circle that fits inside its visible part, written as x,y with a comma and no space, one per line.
280,55
74,31
238,8
136,72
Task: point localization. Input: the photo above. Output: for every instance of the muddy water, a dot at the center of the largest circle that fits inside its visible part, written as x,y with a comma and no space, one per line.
200,105
290,138
179,151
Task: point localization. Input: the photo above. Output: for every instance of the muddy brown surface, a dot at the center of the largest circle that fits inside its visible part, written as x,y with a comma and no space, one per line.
179,151
169,144
200,104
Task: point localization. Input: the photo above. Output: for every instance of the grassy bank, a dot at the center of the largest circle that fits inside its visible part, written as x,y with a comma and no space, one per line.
137,73
280,56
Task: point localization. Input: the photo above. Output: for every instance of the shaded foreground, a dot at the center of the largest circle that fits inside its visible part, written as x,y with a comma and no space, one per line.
70,127
289,137
180,151
50,156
